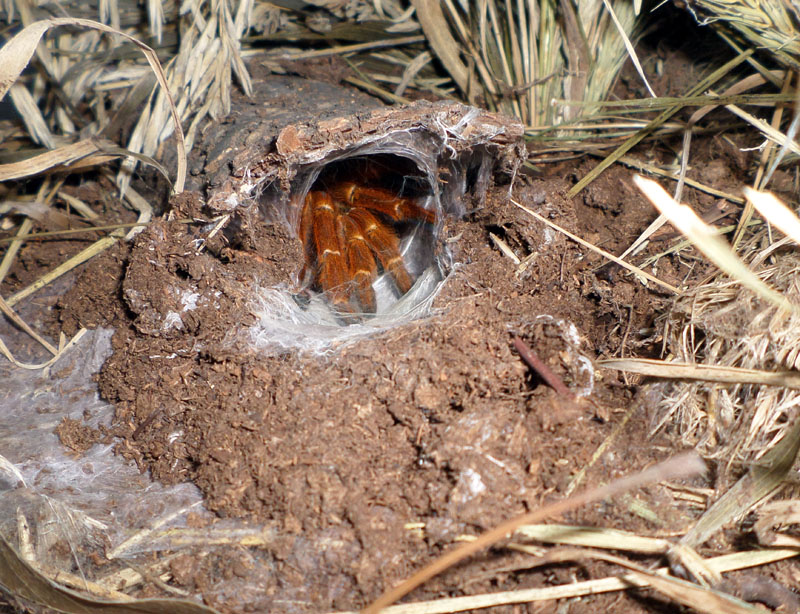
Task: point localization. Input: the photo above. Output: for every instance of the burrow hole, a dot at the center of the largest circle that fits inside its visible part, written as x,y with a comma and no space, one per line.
369,226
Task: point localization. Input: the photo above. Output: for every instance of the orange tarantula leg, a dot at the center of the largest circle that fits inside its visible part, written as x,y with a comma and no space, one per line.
360,263
382,201
304,234
329,245
382,240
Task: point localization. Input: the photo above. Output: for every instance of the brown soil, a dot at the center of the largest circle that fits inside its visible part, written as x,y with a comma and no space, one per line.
437,422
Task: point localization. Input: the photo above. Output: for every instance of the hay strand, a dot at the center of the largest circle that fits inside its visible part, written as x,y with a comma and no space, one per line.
704,373
16,54
705,239
633,269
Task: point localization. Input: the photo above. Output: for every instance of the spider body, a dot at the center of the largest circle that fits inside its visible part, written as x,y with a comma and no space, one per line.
351,232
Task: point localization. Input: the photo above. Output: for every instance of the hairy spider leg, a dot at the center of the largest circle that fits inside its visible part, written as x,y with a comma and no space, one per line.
360,264
385,245
328,238
305,235
382,201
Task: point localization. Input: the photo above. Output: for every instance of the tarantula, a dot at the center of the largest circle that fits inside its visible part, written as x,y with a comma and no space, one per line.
351,230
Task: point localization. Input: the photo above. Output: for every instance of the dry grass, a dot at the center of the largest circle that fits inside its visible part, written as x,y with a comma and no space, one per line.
522,58
771,26
724,323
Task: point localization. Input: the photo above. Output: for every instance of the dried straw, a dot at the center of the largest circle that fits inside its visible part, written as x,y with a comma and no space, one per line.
522,56
747,320
771,25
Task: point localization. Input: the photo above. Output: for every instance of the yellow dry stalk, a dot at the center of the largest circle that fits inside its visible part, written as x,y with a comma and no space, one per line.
201,74
524,55
765,25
